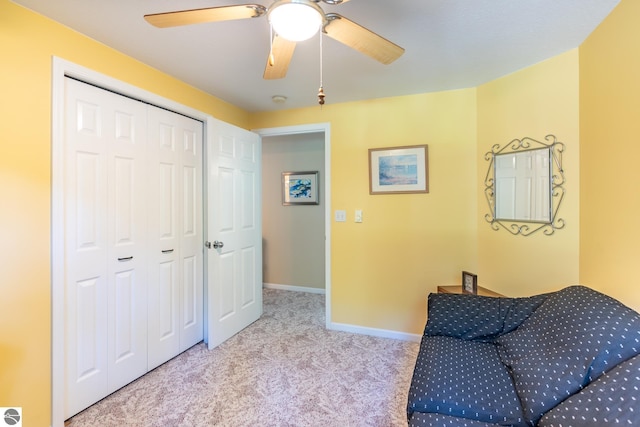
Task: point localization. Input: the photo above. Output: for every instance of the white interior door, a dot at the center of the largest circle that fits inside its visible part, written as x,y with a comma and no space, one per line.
105,262
234,212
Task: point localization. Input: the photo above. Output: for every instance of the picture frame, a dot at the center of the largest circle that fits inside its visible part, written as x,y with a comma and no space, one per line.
399,170
469,283
300,188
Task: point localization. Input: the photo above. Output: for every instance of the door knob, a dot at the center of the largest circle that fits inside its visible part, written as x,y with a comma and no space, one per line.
216,245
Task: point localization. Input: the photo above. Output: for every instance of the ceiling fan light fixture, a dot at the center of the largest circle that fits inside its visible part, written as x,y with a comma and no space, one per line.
295,20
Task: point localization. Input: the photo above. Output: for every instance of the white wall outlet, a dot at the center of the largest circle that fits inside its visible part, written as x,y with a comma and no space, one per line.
358,216
341,216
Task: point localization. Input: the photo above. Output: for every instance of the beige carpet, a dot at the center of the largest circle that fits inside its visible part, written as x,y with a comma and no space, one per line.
285,370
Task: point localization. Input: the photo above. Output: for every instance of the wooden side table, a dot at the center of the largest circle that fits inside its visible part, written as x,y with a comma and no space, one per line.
457,289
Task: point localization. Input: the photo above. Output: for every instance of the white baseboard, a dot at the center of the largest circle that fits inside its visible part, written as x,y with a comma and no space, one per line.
381,333
294,288
343,327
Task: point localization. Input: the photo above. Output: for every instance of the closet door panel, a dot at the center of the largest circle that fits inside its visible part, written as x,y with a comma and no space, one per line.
86,251
191,238
164,242
128,335
127,225
123,339
89,334
86,348
164,338
104,222
166,209
175,219
87,219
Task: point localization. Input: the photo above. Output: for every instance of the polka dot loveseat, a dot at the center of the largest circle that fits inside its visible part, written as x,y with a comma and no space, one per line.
565,359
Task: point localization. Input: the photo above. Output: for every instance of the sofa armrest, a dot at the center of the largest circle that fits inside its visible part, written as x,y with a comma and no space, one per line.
475,317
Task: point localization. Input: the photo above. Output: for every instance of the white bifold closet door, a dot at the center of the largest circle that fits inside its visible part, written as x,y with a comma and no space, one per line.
133,240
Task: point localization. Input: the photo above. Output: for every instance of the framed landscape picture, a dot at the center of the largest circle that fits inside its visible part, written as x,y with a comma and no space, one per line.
399,170
300,188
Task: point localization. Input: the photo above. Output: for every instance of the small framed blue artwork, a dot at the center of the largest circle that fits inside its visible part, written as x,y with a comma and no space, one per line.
399,170
300,188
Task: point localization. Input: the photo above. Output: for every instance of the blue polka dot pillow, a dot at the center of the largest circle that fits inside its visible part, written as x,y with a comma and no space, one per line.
575,336
475,317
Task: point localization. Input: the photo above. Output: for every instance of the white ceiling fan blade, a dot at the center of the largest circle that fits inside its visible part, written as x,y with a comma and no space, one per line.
279,58
361,39
210,14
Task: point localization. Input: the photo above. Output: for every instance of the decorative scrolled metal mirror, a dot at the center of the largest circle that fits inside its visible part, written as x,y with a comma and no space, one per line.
524,186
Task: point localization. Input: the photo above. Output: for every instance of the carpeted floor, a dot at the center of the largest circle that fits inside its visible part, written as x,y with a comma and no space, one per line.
285,370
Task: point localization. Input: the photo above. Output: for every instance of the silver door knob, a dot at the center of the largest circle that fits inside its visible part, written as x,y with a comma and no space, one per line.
217,245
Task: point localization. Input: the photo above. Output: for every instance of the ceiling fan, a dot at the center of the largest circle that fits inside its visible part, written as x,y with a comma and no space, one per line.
280,15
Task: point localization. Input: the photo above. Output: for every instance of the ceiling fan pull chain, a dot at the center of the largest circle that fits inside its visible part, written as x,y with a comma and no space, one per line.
321,90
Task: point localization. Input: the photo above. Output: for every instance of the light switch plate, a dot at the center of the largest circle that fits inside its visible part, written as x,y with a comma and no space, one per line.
358,216
341,216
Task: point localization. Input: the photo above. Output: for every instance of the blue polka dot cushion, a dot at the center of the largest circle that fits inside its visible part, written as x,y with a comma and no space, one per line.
464,379
475,317
575,336
420,419
613,399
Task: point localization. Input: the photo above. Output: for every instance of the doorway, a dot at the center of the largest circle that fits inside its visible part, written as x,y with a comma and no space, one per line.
322,131
293,233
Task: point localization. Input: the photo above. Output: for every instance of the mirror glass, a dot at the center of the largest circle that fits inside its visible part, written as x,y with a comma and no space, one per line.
524,186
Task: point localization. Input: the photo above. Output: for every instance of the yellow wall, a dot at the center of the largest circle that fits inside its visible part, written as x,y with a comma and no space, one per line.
383,268
27,43
534,102
610,149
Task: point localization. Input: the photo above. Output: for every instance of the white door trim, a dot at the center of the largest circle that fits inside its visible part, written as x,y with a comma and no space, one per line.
326,129
60,69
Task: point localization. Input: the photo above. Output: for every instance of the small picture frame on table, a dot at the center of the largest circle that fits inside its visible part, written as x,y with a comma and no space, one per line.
469,283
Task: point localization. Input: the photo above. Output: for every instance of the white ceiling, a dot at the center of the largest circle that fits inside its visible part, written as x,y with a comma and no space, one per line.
450,44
